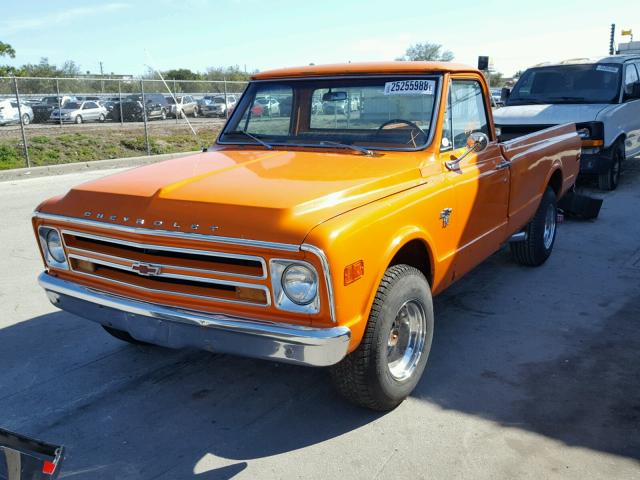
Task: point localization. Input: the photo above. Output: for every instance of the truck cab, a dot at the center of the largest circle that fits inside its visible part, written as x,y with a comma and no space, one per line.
602,96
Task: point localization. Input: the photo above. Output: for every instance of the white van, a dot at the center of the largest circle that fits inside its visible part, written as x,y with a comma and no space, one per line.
602,96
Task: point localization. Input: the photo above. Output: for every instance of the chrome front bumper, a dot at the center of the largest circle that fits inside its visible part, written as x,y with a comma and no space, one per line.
176,328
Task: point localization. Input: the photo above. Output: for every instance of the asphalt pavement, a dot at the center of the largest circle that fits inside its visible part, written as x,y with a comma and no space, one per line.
534,373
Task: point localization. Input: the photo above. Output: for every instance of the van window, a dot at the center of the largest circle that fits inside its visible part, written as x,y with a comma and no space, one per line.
630,77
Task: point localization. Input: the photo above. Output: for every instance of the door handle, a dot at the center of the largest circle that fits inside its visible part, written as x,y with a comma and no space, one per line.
503,164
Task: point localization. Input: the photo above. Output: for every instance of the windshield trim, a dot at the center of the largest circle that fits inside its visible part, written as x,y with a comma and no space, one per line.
438,76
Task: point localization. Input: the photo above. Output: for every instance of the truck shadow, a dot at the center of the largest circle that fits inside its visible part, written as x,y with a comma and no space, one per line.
138,412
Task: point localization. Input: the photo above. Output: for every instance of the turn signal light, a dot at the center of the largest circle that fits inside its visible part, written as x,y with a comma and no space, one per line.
592,143
353,272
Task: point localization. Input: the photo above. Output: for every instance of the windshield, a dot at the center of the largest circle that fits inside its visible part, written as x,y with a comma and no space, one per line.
589,83
385,113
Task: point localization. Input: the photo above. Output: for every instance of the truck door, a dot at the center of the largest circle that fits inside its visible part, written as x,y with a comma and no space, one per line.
480,181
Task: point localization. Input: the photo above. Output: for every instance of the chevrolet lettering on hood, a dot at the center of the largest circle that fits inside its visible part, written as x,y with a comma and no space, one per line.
142,221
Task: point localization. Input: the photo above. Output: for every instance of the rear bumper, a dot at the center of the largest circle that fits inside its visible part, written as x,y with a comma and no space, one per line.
176,328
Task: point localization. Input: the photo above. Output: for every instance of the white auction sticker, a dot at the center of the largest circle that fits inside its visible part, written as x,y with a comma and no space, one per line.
410,87
604,68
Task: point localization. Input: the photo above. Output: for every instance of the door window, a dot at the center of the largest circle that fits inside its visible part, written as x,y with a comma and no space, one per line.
465,111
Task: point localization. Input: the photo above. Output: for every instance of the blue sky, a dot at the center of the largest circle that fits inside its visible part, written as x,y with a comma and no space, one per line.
127,34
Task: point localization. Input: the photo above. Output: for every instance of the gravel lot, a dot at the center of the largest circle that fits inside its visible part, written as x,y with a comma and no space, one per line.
534,374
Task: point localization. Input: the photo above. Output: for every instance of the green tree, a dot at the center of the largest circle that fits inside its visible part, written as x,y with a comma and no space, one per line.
496,79
181,74
427,51
7,50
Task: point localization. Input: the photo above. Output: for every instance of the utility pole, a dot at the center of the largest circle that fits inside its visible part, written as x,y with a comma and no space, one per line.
101,78
612,39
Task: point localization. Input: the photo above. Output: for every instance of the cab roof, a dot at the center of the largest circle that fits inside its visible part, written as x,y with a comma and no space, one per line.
370,68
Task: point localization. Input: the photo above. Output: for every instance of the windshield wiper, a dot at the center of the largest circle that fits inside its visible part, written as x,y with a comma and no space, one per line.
253,137
364,151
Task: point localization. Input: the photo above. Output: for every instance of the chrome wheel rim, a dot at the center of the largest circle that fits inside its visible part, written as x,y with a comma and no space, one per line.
406,340
549,226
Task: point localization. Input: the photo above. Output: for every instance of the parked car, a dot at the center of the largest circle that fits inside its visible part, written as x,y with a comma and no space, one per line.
156,106
496,96
9,112
42,110
182,105
601,95
341,106
79,112
270,106
328,243
211,106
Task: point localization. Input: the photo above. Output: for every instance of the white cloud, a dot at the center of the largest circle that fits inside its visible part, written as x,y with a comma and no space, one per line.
17,25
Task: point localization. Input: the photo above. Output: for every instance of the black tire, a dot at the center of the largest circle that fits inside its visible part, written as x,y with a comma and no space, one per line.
364,376
102,118
195,113
78,119
536,248
124,336
163,114
26,120
611,178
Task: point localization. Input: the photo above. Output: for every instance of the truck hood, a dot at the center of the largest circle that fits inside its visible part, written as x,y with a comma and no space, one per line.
275,196
548,114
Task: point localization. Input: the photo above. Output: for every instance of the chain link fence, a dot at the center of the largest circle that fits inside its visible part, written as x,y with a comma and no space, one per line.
45,121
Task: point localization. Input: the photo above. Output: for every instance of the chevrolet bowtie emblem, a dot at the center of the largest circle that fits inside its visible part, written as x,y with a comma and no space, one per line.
146,269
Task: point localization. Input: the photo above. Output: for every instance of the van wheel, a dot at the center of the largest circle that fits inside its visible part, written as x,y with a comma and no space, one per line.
388,363
610,179
124,336
540,233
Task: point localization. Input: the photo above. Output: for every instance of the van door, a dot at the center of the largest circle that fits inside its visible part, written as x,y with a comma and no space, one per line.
629,114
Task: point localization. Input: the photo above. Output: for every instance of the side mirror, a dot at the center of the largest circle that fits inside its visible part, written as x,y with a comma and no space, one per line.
504,94
476,142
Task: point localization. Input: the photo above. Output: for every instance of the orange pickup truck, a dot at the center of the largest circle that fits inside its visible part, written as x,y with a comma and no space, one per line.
315,233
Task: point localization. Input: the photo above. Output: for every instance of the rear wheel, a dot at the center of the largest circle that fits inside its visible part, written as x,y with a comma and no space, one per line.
610,179
26,119
388,363
540,233
102,118
163,114
124,336
195,113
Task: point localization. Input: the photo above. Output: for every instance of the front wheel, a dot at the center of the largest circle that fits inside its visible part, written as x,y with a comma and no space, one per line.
26,119
610,179
102,118
78,119
540,233
163,114
388,363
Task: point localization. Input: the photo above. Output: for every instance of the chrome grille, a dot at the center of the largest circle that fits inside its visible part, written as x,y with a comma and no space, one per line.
186,272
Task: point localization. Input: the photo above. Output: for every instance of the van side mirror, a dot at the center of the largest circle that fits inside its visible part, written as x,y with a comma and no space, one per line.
504,94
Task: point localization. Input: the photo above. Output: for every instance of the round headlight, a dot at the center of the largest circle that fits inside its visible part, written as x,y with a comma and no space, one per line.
300,284
54,246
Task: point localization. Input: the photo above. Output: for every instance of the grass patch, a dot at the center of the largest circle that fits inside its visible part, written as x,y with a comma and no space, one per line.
56,148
